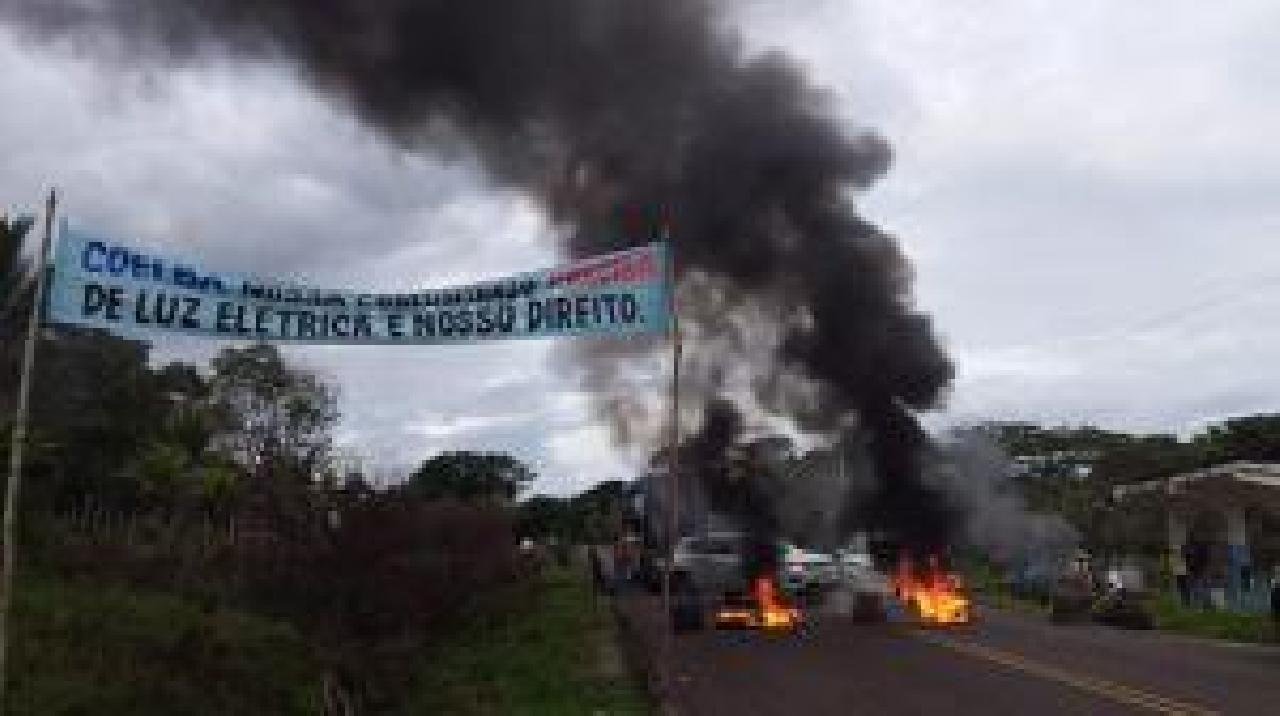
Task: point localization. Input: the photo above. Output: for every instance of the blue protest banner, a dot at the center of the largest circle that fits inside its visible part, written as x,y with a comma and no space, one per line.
109,284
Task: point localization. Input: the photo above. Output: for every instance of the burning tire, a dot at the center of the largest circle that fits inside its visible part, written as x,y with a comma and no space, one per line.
763,607
736,611
931,595
949,611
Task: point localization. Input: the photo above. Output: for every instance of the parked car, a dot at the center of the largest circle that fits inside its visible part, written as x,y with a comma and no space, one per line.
711,560
704,567
806,570
852,563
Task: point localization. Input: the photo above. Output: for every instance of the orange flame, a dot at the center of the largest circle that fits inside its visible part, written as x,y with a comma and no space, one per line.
774,611
767,609
934,596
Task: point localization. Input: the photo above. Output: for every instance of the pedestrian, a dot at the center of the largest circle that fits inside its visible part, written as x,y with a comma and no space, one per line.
1115,581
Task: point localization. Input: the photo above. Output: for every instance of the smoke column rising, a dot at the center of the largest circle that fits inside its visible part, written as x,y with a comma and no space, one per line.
592,105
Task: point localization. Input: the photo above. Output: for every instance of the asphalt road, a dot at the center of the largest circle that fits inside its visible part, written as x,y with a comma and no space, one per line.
1005,663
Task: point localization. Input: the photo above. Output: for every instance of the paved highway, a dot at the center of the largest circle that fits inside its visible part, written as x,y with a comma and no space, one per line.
1005,664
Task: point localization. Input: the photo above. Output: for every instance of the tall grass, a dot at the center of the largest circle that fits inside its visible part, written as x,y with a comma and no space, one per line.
1170,615
552,654
125,607
86,647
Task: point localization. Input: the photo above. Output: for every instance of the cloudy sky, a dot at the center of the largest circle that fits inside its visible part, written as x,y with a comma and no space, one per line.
1090,192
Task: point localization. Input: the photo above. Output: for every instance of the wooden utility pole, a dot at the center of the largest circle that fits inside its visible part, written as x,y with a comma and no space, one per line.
18,439
673,465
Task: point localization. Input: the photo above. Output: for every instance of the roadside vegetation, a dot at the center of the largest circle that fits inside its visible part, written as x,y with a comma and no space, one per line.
555,653
190,542
184,529
84,647
1174,617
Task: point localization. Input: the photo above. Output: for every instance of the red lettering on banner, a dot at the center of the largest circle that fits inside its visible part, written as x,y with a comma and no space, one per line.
637,267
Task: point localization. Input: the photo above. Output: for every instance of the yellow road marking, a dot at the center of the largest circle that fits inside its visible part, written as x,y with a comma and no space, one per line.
1101,687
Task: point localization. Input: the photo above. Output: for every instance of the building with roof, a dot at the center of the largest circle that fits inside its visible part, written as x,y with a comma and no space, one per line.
1221,529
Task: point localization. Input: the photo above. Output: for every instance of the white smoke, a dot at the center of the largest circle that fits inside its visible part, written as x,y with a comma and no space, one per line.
976,477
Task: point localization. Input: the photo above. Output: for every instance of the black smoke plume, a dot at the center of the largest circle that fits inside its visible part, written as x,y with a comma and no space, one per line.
599,105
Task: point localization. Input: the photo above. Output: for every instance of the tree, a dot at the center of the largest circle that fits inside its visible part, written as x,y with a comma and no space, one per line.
192,419
13,231
271,415
96,406
1030,439
1253,438
14,297
470,476
1147,457
542,517
592,516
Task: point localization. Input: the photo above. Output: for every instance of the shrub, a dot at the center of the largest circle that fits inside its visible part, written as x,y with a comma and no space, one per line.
88,648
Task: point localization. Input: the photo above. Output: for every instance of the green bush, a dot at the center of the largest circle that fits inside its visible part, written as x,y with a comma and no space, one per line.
552,653
82,647
1170,615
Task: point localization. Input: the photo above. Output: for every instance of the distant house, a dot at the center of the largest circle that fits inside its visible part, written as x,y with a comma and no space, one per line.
1074,464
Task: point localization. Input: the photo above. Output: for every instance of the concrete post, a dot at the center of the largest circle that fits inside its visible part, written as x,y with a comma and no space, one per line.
1178,529
1238,559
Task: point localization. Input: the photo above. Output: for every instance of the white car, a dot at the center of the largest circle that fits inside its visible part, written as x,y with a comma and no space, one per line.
851,563
804,569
